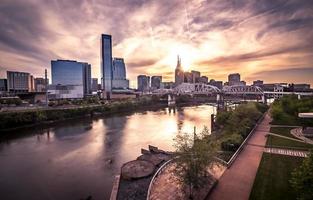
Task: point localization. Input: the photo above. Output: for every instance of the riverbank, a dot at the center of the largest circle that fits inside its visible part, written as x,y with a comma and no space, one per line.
15,120
46,116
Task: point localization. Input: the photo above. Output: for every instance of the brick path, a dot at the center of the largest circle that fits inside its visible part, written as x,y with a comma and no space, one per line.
237,181
287,152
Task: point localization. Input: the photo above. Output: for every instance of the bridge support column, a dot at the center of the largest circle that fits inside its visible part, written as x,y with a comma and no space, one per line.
299,96
218,97
220,101
264,99
171,101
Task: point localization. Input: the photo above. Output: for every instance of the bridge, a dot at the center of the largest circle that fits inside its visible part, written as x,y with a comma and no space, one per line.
235,91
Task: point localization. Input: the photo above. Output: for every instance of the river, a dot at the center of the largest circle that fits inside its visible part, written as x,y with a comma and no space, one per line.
77,158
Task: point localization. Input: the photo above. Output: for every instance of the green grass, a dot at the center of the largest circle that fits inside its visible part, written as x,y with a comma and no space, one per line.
272,179
285,143
284,131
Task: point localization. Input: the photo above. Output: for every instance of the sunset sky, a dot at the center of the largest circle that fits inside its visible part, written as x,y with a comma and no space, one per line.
270,40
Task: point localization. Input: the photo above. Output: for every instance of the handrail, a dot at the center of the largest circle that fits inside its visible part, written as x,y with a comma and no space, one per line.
232,159
155,175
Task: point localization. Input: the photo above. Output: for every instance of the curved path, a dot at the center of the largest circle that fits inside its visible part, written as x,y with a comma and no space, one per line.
297,132
166,186
237,181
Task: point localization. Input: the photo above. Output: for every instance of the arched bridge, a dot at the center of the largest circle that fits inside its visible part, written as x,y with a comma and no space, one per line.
201,88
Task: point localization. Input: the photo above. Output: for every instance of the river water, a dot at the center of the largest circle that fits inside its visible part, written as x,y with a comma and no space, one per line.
77,158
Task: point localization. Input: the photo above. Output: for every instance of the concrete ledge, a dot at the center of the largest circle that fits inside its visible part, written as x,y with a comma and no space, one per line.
115,187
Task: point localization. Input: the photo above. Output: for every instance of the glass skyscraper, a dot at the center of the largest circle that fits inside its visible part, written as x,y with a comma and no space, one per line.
119,80
106,62
69,72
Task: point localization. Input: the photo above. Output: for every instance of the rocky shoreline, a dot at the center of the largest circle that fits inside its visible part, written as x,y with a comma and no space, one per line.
136,175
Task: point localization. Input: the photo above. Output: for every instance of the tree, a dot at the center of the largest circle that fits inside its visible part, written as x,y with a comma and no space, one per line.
302,179
194,154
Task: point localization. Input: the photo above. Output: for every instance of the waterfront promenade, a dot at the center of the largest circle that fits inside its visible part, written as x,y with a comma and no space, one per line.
237,181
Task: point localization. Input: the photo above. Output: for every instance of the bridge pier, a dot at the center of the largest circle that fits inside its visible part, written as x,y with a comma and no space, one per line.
299,96
264,100
171,101
219,101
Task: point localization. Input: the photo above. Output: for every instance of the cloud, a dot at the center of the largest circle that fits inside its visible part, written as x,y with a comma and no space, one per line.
300,75
257,55
215,37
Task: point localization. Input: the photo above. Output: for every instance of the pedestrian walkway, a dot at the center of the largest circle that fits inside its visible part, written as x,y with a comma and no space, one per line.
237,181
285,137
166,185
287,152
297,132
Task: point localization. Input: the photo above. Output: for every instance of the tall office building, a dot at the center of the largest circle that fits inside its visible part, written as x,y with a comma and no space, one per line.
143,83
69,72
119,80
19,82
234,79
195,76
106,62
3,85
94,85
179,72
156,82
188,77
203,79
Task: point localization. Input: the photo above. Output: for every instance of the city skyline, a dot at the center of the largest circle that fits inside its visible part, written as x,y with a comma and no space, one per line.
259,40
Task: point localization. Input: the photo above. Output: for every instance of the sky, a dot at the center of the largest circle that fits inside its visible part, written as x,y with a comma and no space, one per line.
260,39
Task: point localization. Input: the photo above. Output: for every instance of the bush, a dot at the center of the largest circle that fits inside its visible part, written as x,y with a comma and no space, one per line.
286,109
235,125
302,179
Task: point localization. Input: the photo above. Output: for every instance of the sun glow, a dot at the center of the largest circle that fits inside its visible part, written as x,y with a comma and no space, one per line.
185,52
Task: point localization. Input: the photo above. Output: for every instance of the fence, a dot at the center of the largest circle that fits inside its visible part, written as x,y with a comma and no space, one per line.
161,169
233,158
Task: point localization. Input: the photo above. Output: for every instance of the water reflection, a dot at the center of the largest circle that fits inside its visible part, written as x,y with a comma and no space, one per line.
78,158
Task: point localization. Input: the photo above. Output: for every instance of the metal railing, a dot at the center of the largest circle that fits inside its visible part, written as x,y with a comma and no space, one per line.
233,158
156,174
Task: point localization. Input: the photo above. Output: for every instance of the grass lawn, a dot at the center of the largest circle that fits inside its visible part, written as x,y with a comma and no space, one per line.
285,143
284,131
272,179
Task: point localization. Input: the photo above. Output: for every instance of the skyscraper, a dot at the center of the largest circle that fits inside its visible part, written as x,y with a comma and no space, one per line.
156,82
106,62
179,73
234,79
3,85
195,76
70,72
143,83
119,74
94,85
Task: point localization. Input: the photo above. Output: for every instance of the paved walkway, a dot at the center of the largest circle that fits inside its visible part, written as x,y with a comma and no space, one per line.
285,137
297,132
287,152
166,185
237,181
